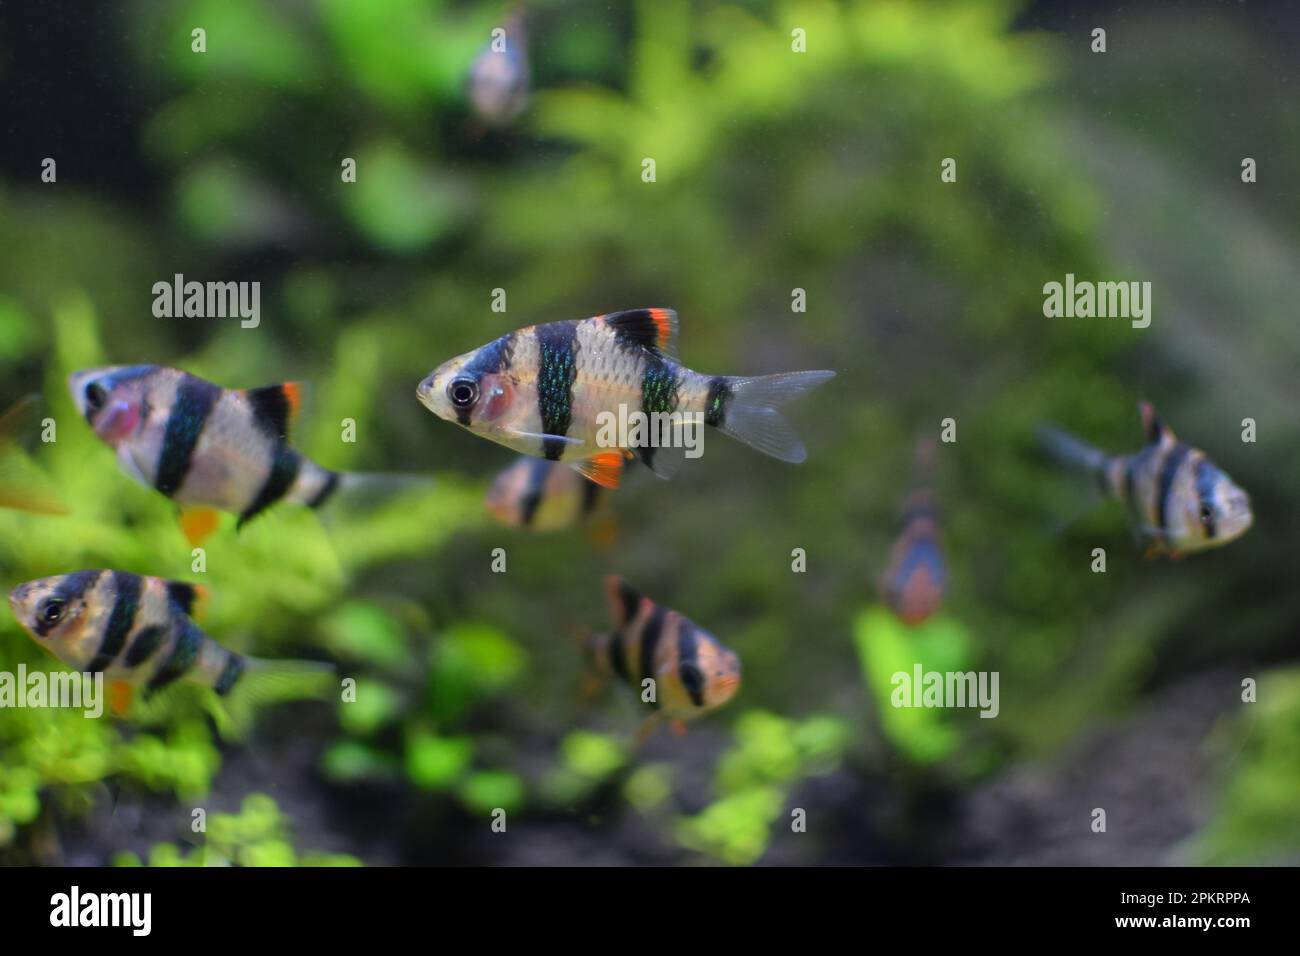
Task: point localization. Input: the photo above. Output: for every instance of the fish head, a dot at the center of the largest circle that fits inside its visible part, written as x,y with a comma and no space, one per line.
1219,509
719,669
112,399
55,611
469,391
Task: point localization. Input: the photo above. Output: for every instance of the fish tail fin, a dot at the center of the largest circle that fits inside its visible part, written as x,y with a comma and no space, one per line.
1073,454
263,683
750,413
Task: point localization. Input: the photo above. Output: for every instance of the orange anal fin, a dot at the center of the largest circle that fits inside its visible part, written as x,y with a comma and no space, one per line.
197,524
120,697
605,468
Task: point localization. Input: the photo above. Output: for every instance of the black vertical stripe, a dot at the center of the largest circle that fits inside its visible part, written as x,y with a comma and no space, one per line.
126,603
649,644
1168,472
534,485
195,399
144,645
660,388
557,368
331,485
715,406
688,667
284,472
185,651
229,674
1206,475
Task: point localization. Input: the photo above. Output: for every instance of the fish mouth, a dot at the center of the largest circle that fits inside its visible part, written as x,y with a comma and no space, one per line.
425,392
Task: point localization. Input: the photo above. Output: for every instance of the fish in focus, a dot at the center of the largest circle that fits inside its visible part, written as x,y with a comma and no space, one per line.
1178,500
210,449
139,632
498,77
544,389
543,496
917,577
22,485
693,673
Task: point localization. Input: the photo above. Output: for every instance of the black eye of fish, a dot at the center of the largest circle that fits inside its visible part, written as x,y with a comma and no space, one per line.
463,392
1207,513
95,396
51,611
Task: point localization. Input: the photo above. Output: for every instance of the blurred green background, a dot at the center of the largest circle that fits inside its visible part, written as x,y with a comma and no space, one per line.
775,170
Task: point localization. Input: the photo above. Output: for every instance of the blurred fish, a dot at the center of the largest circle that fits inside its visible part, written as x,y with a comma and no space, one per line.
22,485
917,578
498,77
543,390
208,448
539,494
1179,501
139,632
692,672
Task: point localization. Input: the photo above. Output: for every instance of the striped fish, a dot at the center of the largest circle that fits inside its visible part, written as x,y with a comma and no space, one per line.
207,448
543,391
1179,501
692,672
543,496
137,631
917,578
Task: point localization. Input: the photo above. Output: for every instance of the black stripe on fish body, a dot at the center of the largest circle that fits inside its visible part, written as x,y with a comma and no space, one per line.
538,471
715,405
182,595
271,410
660,391
144,645
1205,481
184,654
71,588
1168,472
284,472
233,670
649,644
630,600
331,485
126,603
194,402
557,369
688,667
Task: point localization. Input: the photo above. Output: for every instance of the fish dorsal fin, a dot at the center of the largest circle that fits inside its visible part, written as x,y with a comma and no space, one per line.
653,329
190,598
275,407
1156,431
623,600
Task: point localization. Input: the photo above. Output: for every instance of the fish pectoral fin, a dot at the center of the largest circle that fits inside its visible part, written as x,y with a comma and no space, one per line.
605,468
129,465
543,437
121,696
198,523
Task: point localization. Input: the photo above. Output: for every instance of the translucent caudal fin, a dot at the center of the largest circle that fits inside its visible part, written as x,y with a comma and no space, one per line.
751,412
264,683
1072,453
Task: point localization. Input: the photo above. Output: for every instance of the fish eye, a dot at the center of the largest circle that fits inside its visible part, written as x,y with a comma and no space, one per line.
463,392
95,396
1207,512
51,610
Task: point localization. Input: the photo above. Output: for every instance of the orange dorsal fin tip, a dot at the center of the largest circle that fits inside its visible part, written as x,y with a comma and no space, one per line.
276,406
120,697
664,320
197,524
604,468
